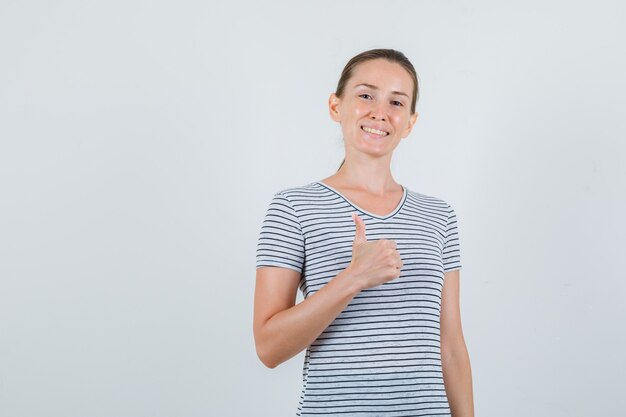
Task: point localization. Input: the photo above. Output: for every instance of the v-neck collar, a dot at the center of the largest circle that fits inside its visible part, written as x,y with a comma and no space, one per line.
376,216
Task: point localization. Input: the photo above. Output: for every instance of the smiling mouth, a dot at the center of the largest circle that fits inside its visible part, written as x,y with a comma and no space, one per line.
374,131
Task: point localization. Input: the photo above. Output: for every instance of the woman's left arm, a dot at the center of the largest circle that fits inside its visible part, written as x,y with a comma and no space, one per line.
457,373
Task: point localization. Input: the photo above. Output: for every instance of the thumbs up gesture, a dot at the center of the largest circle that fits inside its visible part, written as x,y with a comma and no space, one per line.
373,262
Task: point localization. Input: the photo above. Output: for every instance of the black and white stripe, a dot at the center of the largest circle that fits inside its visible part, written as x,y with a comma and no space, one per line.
381,355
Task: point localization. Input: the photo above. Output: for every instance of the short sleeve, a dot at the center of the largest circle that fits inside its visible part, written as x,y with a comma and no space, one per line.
281,242
451,249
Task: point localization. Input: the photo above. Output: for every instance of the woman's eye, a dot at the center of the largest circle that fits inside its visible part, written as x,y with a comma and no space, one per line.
365,95
397,103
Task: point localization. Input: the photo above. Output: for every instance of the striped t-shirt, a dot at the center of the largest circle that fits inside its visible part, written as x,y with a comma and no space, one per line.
381,356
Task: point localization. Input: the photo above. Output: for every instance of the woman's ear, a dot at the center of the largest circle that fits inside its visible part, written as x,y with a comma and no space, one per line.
410,125
333,107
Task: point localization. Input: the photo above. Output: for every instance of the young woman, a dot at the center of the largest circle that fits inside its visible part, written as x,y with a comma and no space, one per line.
377,263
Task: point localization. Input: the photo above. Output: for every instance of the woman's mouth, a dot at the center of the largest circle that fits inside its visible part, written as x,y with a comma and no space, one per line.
374,131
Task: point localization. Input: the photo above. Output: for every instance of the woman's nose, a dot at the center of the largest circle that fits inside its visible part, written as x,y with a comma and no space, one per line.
377,112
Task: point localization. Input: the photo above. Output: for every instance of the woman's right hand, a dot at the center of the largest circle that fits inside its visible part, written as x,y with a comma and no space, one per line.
375,262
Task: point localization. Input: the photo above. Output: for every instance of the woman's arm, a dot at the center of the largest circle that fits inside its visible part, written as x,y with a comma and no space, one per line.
457,372
282,329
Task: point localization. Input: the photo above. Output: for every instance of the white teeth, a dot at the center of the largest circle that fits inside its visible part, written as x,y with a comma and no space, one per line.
375,131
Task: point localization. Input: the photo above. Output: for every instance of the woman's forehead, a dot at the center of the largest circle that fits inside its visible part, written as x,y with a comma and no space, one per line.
382,74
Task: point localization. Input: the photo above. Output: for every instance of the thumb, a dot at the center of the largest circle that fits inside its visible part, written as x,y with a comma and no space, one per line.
359,236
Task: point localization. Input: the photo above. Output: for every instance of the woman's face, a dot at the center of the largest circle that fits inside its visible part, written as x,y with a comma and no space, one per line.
375,110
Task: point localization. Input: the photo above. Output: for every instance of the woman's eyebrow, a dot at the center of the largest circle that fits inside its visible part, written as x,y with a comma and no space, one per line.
373,87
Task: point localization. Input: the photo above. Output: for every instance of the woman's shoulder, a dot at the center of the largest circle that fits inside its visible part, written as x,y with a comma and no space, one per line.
303,193
294,189
428,200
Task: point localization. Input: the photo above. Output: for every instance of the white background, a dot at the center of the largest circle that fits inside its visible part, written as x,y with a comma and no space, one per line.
141,142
